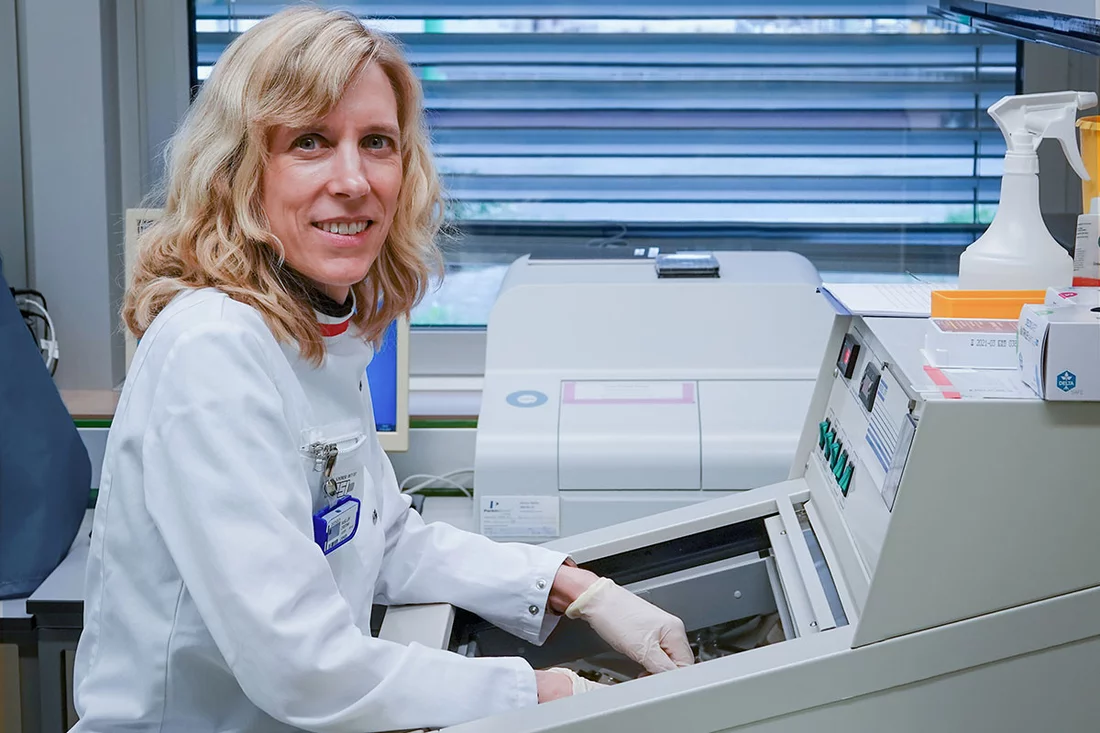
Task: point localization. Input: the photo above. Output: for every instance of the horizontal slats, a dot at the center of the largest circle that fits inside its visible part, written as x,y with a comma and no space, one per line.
732,214
795,117
718,111
557,234
722,189
706,95
942,50
714,165
598,143
594,9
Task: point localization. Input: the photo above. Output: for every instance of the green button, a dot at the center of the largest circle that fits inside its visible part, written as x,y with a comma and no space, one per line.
822,433
846,479
840,465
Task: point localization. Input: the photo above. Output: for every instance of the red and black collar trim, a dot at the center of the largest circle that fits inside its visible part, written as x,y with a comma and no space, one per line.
332,325
328,330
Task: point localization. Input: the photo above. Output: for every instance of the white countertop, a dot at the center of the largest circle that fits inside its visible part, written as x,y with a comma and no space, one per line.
14,608
454,510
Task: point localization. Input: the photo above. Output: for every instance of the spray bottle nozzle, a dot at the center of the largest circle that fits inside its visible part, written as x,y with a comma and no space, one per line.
1026,120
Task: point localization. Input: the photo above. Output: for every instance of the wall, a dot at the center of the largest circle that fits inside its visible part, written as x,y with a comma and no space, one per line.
102,85
69,97
13,249
1049,69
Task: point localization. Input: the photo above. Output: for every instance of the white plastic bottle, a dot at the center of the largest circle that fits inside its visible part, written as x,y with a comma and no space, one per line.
1086,248
1017,252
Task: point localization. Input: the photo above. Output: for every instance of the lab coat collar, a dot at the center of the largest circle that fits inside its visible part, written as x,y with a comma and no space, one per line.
332,326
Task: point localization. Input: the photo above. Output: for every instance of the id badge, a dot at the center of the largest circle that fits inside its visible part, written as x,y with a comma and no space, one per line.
336,525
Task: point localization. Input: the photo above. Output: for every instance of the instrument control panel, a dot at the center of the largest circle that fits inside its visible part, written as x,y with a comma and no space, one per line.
864,436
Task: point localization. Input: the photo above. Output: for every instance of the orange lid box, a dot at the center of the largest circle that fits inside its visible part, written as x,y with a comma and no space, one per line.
1005,304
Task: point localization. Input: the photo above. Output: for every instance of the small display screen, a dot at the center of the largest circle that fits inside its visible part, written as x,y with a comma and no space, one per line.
849,352
868,386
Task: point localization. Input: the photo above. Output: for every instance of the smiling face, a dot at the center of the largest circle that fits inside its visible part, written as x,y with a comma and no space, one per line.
330,190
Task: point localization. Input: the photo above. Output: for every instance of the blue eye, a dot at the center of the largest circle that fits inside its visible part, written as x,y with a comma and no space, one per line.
377,142
307,142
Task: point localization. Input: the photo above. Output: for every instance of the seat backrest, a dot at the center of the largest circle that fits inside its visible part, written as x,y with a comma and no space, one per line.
45,474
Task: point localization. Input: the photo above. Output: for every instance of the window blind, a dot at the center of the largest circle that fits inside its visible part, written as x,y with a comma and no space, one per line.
827,127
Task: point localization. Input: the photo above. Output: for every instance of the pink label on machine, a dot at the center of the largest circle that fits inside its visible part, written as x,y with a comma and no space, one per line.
628,393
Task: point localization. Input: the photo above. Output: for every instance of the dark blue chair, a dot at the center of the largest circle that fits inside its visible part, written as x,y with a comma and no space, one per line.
45,474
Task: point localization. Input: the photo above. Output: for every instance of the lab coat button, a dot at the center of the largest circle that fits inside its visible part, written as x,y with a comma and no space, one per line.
533,610
541,585
374,516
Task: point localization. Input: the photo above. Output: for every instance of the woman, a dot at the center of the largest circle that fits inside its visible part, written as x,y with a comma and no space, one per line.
229,587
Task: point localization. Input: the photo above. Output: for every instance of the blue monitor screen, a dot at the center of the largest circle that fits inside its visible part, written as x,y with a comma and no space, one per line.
382,378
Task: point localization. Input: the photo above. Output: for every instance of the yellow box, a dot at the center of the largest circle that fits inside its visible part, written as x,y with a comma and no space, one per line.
1090,153
983,303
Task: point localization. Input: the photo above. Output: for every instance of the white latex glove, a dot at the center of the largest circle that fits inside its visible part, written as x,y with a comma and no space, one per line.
580,684
654,638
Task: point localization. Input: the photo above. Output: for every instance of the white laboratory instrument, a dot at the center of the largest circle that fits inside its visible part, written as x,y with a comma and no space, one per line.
611,393
929,566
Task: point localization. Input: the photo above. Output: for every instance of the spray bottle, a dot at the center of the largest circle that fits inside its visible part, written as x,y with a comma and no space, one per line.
1017,252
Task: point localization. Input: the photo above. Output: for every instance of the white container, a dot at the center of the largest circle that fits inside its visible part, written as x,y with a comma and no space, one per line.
1017,252
1086,248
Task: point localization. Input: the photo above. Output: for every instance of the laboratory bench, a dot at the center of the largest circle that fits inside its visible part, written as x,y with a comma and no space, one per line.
19,702
43,630
58,610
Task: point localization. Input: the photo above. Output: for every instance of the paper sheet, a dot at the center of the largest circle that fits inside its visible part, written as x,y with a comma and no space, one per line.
976,384
907,300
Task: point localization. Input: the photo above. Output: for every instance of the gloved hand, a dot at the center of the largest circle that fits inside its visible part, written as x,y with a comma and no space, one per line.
636,628
558,682
580,684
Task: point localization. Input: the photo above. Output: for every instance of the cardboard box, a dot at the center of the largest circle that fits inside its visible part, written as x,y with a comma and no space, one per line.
1059,297
971,343
1059,352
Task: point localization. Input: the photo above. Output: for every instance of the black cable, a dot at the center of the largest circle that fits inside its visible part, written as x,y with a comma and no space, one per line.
34,314
27,315
33,293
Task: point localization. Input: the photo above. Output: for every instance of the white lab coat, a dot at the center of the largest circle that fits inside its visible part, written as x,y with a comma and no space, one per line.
208,604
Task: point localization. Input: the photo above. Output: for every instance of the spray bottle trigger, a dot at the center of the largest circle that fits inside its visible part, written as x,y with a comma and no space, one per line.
1064,129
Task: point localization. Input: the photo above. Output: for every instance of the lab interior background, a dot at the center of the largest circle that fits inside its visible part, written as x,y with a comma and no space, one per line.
854,133
851,132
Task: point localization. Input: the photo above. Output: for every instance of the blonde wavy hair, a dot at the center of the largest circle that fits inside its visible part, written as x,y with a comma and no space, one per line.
290,69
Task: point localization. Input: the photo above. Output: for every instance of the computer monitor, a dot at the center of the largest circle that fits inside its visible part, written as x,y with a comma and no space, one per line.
387,374
388,378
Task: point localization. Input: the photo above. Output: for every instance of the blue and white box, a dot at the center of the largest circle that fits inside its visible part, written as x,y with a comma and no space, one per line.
1059,352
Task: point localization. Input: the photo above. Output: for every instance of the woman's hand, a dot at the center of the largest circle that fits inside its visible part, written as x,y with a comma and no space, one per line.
552,685
636,628
558,682
568,585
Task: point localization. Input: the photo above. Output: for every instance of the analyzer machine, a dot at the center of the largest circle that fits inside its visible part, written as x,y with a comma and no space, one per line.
930,564
616,389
